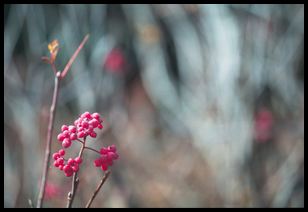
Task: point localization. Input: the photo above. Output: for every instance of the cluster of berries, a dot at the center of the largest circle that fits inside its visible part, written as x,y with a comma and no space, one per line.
84,126
107,156
70,166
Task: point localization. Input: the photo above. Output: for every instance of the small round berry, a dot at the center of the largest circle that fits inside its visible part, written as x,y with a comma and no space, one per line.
72,129
60,161
76,122
66,143
81,134
70,162
56,164
55,156
67,168
75,168
61,167
64,127
104,167
62,152
61,137
93,134
94,123
104,158
96,116
112,148
110,156
103,150
100,126
78,160
73,136
66,133
68,174
85,124
97,162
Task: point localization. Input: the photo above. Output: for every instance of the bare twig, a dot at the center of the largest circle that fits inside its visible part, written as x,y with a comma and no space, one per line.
98,188
70,62
92,149
75,182
49,138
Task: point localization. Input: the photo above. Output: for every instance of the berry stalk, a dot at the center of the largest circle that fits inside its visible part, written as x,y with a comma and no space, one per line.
75,181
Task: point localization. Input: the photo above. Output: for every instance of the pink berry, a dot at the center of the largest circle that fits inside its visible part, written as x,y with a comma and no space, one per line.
60,161
66,143
56,164
81,134
64,127
62,152
78,160
112,148
60,137
70,162
75,168
55,156
93,134
96,116
85,124
104,158
100,126
104,167
93,122
61,167
66,133
97,162
110,155
72,129
68,174
103,150
73,136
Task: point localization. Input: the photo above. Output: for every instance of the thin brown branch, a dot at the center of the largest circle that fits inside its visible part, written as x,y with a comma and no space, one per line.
48,142
75,182
98,188
70,62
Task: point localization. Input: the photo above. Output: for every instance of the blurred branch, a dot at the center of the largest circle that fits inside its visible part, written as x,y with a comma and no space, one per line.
49,137
98,188
70,62
75,182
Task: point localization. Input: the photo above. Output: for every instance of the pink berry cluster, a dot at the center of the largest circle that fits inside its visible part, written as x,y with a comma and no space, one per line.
70,166
84,126
107,156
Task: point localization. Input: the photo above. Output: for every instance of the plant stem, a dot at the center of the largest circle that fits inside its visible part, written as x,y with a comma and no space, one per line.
75,182
92,149
48,141
70,62
98,188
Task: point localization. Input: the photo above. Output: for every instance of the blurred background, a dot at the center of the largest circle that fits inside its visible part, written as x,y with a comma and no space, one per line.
205,103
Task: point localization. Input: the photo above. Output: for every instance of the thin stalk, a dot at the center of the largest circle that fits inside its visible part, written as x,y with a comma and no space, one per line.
92,149
98,188
75,182
48,142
